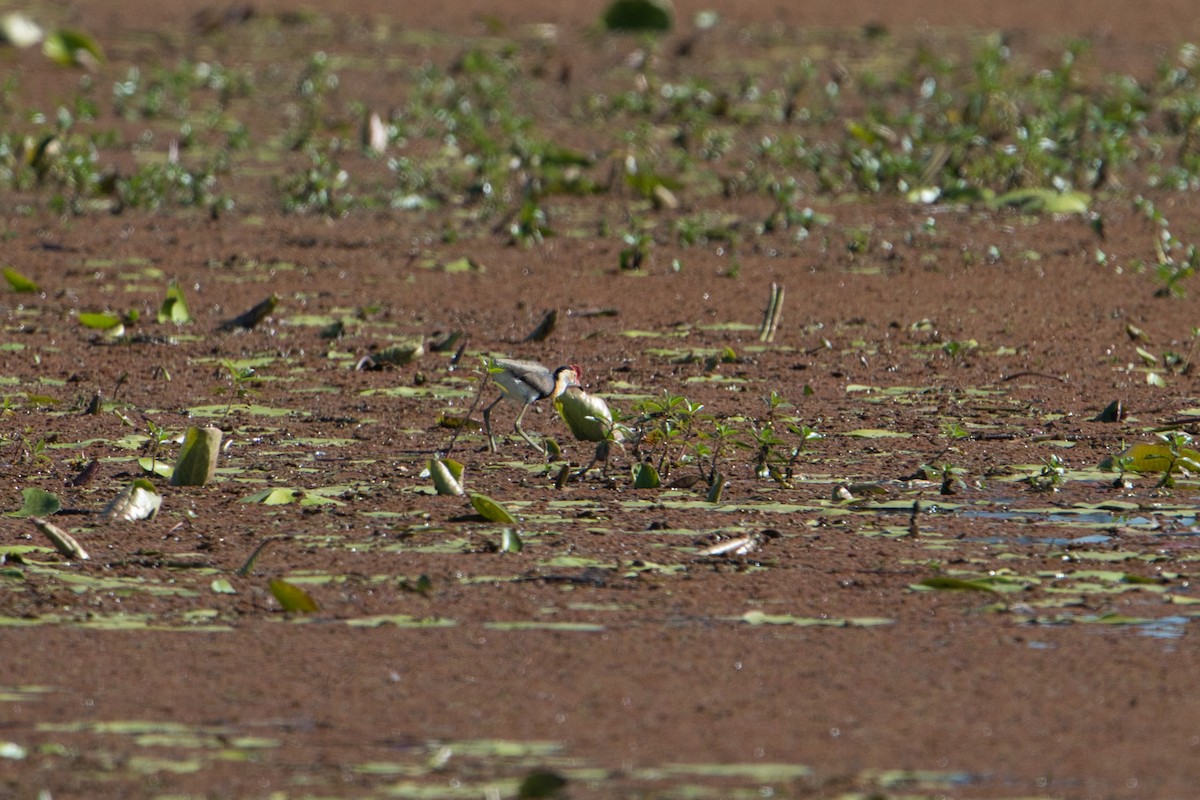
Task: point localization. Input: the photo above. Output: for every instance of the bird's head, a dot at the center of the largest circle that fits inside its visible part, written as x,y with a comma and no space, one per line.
564,377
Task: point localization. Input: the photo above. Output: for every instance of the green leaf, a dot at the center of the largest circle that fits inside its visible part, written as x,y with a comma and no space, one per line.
1049,201
37,503
222,586
638,15
280,496
876,433
462,265
954,584
19,282
647,477
197,462
70,48
292,598
447,476
492,511
757,617
1151,458
99,321
155,466
510,541
174,306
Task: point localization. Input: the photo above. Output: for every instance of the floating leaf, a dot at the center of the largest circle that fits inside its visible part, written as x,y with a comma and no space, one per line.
877,433
647,477
292,598
638,15
138,500
510,541
1152,458
197,462
100,321
222,586
174,306
757,617
37,503
19,282
71,48
280,496
62,541
156,466
955,584
492,511
464,264
447,476
1049,201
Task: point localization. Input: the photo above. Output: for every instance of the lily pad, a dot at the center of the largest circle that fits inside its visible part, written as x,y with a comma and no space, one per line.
492,511
1152,458
510,541
292,598
18,282
285,495
197,462
1048,201
647,477
100,321
447,476
174,306
877,433
37,503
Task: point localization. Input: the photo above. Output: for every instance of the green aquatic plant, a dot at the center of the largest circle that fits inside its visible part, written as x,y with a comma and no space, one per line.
666,431
1051,476
1180,457
321,188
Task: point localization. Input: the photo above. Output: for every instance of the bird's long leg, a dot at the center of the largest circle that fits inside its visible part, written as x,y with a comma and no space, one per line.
517,427
601,454
487,423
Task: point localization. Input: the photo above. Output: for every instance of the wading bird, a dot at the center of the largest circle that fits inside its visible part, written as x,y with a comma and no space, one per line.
588,417
524,382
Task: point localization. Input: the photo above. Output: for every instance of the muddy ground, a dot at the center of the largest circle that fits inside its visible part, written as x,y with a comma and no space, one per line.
1013,638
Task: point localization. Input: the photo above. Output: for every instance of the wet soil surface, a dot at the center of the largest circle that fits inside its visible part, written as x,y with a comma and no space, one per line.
942,596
